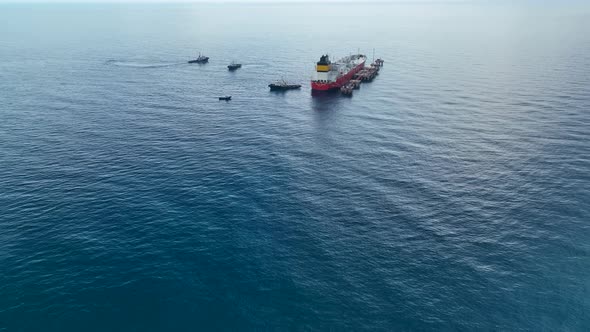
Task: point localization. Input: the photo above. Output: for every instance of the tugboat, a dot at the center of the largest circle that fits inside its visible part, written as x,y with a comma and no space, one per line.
283,86
200,59
226,98
233,66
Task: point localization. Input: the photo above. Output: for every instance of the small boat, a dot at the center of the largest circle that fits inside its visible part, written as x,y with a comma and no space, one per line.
283,86
226,98
346,90
200,59
233,66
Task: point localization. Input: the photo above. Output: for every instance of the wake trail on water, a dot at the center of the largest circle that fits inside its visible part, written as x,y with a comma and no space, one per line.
134,64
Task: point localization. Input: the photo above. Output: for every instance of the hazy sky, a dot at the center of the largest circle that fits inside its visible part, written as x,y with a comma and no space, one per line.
212,1
176,1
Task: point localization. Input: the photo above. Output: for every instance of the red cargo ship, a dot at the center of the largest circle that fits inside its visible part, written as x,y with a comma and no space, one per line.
332,75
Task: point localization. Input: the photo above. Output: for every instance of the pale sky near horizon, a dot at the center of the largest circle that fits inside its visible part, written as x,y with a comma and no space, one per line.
176,1
212,1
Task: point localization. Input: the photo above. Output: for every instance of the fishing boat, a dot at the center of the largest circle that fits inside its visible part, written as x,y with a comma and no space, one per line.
282,85
200,59
226,98
233,66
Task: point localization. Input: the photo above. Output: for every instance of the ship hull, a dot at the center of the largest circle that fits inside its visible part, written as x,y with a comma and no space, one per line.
340,81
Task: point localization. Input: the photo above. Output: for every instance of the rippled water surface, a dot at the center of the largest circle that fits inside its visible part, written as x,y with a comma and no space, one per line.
451,193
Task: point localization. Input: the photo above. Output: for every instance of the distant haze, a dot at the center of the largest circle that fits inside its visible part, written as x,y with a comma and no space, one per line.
213,1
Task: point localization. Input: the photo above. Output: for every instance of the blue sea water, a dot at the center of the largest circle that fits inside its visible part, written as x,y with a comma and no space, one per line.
451,193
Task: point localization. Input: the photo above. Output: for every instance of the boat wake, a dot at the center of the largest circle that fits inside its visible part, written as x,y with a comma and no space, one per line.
255,65
141,65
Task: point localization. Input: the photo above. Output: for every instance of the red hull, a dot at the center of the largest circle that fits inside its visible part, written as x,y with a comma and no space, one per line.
340,81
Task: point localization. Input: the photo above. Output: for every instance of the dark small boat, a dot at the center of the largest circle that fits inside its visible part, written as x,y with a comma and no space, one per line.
233,66
226,98
283,86
200,59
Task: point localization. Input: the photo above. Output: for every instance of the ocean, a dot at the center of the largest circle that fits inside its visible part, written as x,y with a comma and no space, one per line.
452,193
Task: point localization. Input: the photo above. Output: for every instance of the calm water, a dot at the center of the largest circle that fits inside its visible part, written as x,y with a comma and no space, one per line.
452,193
